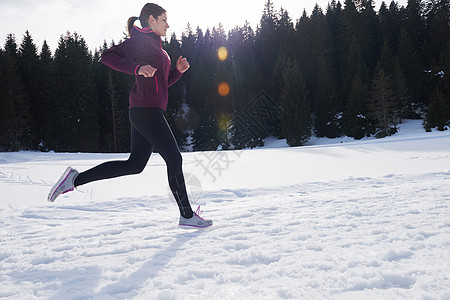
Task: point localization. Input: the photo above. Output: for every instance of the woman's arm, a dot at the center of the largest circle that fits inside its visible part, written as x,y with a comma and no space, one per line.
120,57
175,74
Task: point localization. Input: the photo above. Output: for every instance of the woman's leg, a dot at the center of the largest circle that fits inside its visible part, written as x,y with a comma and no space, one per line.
151,124
141,150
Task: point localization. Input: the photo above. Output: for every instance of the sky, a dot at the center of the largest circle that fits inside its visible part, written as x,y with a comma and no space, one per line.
99,20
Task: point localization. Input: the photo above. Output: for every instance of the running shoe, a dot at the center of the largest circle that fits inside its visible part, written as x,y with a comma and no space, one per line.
64,184
196,221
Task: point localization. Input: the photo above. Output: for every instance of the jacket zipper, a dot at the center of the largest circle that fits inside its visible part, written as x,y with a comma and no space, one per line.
156,82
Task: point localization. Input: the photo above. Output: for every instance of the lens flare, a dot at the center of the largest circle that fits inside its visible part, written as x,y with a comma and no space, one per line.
224,122
223,89
222,53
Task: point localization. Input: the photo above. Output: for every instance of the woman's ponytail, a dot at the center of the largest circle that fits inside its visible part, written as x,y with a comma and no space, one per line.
130,24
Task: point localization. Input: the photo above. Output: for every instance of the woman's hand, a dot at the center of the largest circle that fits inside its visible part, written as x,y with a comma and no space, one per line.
147,71
182,64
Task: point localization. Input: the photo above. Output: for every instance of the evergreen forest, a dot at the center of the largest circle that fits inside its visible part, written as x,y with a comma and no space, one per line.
347,70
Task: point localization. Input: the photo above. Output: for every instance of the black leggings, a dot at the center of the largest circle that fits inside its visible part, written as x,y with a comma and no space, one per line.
149,129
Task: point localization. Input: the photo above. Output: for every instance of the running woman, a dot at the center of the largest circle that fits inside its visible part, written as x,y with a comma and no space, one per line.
142,55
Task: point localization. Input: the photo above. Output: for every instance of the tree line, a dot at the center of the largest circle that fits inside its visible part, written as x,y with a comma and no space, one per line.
346,70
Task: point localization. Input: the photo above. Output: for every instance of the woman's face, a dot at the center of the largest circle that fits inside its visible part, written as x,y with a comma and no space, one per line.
159,25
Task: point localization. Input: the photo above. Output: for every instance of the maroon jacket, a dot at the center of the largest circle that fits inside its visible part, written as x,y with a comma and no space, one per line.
144,47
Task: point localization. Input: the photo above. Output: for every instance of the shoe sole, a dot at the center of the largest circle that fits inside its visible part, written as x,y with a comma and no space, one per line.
193,226
58,184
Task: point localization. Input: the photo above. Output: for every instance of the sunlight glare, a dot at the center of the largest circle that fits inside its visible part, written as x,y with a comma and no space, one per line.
222,53
224,89
224,122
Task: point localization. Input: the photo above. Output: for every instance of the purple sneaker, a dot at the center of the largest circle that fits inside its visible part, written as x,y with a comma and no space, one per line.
64,184
196,221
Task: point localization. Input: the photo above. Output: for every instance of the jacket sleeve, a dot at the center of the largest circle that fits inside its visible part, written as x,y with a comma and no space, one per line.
174,75
121,57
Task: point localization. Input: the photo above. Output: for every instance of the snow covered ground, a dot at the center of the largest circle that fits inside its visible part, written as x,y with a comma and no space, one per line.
338,219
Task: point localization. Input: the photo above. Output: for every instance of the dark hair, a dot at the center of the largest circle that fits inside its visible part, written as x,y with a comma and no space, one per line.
149,9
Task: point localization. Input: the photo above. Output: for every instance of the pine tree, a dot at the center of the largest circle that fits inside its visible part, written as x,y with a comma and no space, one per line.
247,130
446,69
200,89
333,17
267,44
205,137
401,93
438,33
323,92
438,113
415,24
383,16
410,65
117,134
14,107
355,65
347,34
386,59
123,85
390,24
100,76
295,107
76,99
370,38
326,107
382,105
197,78
241,42
285,32
349,27
392,32
28,65
11,47
303,49
356,121
277,75
46,95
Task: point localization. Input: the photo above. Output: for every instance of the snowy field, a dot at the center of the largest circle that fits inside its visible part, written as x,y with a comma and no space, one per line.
336,219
